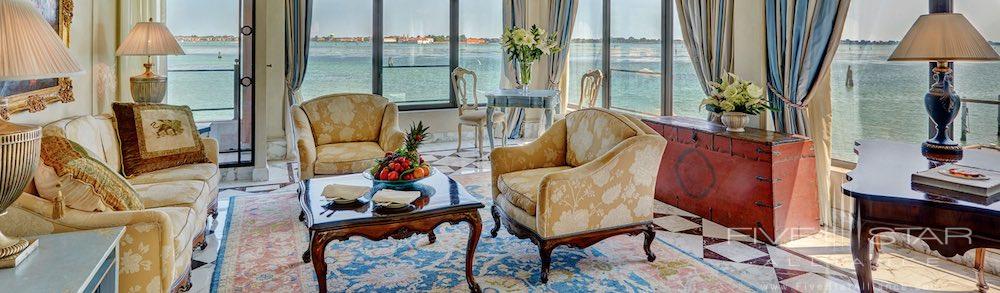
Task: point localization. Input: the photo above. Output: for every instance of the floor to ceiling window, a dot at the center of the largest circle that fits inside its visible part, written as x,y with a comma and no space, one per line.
480,26
207,78
877,99
340,54
415,56
687,93
636,56
585,48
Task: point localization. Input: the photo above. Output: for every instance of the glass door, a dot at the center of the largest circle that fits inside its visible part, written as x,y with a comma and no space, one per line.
416,52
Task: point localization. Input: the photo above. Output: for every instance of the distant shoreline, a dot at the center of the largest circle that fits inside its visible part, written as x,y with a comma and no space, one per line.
431,39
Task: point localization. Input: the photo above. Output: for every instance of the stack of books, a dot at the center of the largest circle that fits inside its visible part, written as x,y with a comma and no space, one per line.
970,184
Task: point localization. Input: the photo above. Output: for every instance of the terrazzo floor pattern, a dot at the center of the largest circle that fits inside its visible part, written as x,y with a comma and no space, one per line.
819,263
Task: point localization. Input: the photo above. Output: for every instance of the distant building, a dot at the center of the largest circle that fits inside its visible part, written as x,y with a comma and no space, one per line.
475,41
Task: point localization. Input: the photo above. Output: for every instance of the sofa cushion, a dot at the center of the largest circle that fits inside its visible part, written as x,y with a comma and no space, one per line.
95,133
156,137
592,132
345,117
186,193
84,183
207,172
521,187
351,157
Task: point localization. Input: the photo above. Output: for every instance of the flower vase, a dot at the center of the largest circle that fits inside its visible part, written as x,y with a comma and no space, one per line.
735,121
524,76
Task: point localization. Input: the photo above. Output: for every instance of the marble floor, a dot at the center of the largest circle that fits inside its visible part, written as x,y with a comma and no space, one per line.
819,263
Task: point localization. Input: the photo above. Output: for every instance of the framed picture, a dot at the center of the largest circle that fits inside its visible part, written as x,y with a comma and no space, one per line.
36,95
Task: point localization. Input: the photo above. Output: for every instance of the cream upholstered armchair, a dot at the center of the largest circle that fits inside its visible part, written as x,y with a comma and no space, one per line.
589,177
344,133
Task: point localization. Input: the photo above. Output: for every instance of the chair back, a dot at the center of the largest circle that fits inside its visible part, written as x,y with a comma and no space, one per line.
590,86
592,132
340,118
461,86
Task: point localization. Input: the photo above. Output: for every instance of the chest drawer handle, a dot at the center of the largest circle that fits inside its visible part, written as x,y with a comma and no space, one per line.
764,205
694,136
765,179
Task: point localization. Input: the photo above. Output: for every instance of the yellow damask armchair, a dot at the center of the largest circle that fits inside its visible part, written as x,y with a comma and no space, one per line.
344,133
589,177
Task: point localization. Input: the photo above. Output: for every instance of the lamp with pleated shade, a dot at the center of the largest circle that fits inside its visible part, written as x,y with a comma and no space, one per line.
30,50
942,38
149,39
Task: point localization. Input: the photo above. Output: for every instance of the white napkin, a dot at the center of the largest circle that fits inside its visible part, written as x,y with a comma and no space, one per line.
395,196
344,192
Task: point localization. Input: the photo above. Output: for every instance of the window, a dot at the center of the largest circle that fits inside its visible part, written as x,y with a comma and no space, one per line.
340,54
207,78
415,57
687,91
480,27
585,48
636,56
877,99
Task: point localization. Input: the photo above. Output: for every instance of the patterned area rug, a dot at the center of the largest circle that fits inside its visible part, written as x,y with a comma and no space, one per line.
262,248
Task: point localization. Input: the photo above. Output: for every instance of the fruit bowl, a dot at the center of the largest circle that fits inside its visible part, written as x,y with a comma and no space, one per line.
396,184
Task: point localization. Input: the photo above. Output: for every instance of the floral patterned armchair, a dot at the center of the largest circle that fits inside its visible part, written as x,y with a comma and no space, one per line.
589,177
344,133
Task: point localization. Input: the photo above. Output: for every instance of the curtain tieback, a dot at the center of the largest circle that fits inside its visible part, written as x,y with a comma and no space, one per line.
787,102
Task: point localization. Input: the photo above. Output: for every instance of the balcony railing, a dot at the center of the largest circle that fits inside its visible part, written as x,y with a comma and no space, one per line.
206,74
976,133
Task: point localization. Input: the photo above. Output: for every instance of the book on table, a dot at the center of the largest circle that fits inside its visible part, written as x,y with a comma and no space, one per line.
960,182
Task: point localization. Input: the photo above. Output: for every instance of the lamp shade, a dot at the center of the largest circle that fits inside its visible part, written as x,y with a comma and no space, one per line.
149,39
29,47
943,37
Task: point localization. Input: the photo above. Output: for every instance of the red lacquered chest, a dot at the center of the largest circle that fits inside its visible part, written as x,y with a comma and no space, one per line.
758,182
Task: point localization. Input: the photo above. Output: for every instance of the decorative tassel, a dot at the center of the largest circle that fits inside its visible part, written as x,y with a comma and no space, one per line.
58,206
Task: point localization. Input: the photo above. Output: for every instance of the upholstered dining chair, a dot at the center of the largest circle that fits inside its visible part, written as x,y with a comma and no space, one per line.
472,114
344,133
589,177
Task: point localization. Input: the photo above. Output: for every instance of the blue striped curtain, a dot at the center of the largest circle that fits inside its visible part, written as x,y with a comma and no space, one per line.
802,38
298,19
515,14
707,27
562,15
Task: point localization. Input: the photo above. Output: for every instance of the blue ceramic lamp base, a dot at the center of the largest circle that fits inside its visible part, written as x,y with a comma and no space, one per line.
942,106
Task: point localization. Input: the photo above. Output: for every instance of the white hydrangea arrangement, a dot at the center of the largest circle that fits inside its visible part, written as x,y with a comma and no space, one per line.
527,46
736,95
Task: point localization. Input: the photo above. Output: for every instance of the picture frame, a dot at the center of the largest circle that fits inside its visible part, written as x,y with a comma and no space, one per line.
35,95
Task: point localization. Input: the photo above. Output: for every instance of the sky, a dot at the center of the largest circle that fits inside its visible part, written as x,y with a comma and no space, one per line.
868,19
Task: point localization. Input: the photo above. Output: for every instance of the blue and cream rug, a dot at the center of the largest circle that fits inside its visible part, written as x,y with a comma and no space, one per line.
264,241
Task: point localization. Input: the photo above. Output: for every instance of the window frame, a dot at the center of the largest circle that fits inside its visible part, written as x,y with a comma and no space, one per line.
666,58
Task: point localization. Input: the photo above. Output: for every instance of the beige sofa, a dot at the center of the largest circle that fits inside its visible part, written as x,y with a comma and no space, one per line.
344,133
157,246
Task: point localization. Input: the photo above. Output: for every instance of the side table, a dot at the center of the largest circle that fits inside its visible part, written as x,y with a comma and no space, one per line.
82,261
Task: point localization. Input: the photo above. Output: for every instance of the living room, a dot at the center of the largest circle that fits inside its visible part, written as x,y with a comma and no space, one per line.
514,145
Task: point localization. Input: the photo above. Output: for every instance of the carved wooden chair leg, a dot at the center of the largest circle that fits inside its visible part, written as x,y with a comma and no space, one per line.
980,266
877,241
650,234
496,221
459,139
546,255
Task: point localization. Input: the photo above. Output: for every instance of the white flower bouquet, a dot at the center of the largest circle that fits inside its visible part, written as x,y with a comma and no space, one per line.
526,46
736,95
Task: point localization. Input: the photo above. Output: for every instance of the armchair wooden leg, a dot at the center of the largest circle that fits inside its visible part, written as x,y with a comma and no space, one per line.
546,255
877,249
459,138
980,266
650,234
496,221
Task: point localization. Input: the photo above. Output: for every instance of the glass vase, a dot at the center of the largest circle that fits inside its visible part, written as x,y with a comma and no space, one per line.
524,76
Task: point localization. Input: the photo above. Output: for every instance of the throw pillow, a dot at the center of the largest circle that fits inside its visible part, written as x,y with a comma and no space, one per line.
86,183
156,137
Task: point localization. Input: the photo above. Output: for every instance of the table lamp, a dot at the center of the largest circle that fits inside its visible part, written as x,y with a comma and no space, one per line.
149,39
31,50
943,37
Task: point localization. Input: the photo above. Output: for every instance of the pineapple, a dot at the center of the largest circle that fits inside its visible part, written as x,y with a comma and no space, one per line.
415,137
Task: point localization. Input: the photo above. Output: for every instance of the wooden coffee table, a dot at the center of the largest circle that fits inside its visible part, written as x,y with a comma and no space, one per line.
442,201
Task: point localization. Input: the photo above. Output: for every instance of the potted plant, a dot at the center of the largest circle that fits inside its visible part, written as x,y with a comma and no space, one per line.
736,99
526,46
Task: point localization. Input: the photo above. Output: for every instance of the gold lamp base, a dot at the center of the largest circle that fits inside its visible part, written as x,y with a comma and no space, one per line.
148,87
13,250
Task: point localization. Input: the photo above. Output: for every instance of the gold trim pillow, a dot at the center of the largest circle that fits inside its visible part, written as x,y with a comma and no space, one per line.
156,137
86,183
